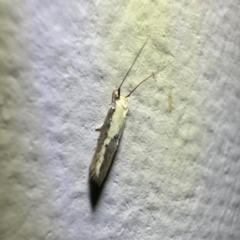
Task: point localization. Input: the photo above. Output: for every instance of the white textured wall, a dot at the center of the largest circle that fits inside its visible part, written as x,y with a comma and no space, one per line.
176,174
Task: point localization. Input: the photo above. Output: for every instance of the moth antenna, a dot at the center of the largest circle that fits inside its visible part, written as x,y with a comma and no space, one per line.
152,75
119,88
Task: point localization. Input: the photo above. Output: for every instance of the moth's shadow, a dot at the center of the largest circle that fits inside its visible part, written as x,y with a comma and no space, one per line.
95,191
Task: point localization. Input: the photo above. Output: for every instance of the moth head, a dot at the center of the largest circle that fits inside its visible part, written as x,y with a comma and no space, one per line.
115,95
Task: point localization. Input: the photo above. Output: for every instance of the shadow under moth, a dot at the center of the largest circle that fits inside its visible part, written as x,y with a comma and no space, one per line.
112,129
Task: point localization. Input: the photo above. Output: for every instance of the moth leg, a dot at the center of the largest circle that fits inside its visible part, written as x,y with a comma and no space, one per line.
98,129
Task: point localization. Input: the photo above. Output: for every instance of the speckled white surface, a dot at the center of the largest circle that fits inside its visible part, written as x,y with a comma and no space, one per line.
176,174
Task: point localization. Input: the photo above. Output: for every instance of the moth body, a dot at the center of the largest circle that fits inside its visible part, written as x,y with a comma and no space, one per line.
110,135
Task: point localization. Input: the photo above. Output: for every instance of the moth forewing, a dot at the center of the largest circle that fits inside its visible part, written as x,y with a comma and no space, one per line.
110,135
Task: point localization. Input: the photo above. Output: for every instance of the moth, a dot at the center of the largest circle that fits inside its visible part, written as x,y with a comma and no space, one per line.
112,129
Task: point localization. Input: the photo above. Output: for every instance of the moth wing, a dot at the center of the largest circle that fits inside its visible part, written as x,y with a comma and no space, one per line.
101,149
110,152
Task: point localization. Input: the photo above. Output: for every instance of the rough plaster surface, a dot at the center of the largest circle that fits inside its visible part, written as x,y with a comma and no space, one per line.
176,174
